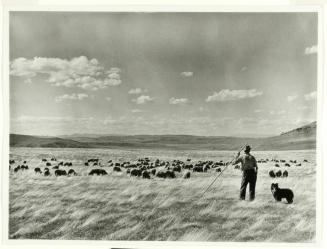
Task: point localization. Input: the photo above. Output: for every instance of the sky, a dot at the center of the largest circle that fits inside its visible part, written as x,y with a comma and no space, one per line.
210,74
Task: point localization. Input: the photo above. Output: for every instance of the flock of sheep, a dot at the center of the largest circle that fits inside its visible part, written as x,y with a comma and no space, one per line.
144,167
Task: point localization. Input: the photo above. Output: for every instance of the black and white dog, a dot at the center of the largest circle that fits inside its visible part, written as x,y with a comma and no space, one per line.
280,193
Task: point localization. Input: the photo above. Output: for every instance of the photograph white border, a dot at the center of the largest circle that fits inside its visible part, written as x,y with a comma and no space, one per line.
122,6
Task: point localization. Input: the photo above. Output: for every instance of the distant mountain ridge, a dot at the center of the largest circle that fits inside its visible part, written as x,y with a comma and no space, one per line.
300,138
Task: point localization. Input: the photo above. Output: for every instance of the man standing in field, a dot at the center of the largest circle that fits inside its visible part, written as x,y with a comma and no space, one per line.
249,168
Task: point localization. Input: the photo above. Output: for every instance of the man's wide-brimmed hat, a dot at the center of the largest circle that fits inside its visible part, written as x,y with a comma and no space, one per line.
247,148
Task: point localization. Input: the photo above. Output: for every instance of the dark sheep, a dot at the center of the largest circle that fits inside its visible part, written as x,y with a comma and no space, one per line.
153,171
23,167
272,174
56,167
72,172
285,173
37,170
128,171
170,174
305,160
177,169
44,160
117,169
17,169
198,169
145,174
61,164
187,175
276,165
86,164
48,164
298,164
161,174
136,172
237,167
98,172
279,173
46,172
287,165
60,172
218,170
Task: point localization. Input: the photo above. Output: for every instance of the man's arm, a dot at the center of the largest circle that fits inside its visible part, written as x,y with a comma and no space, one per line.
255,164
237,160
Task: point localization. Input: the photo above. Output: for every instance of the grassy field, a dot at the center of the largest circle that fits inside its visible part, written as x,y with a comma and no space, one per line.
120,207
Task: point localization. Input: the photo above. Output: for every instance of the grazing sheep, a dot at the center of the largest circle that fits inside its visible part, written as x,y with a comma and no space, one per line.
287,165
46,172
117,169
237,167
305,160
61,164
276,165
17,169
136,172
279,173
187,175
170,174
298,164
145,174
272,174
23,167
56,167
218,170
128,171
60,172
98,172
37,170
285,173
86,164
72,172
161,174
44,160
153,171
205,168
48,164
177,168
198,169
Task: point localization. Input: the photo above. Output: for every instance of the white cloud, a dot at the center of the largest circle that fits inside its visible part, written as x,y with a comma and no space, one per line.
73,96
78,72
181,101
311,50
229,95
187,74
137,91
291,98
310,96
108,99
143,99
136,111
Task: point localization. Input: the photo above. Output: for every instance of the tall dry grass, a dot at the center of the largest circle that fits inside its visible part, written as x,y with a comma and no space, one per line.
119,207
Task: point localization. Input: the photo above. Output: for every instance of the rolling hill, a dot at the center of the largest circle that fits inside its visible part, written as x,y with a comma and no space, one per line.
300,138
